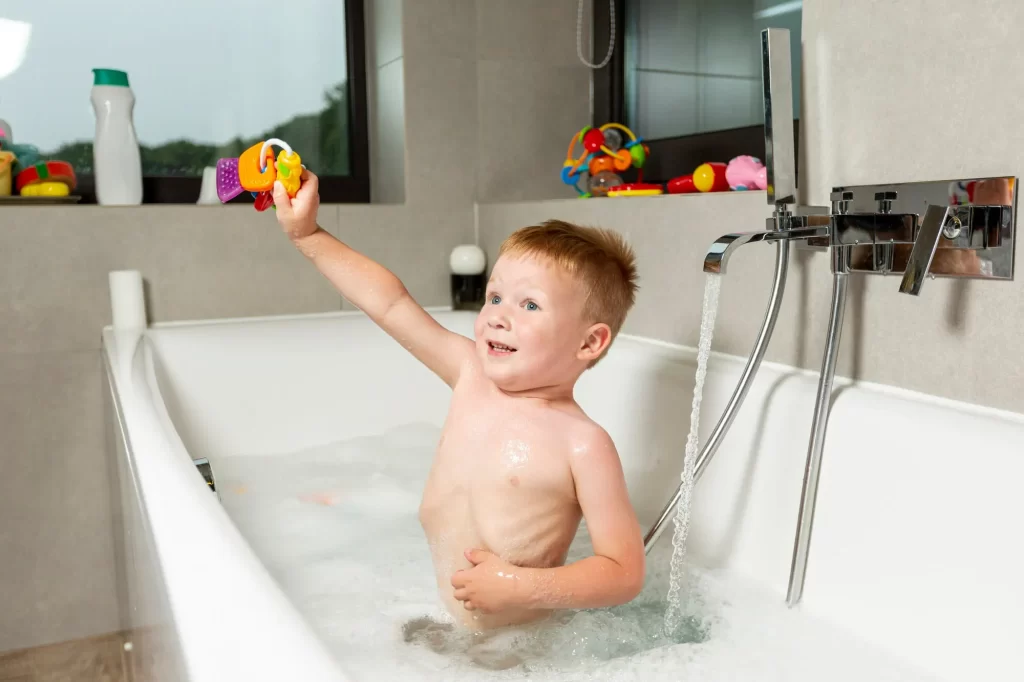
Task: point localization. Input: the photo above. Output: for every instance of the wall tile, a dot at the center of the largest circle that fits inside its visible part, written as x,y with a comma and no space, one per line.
440,131
198,262
55,524
413,244
445,28
528,115
882,106
539,31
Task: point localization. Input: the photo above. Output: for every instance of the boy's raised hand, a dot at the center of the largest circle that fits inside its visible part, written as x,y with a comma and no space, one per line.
298,216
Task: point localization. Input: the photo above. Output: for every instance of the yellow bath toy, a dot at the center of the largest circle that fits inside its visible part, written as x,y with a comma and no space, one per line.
6,172
289,171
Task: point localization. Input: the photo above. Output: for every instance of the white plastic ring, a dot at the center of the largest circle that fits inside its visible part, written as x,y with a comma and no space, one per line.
266,145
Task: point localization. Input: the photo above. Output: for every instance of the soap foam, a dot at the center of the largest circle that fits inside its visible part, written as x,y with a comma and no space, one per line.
337,527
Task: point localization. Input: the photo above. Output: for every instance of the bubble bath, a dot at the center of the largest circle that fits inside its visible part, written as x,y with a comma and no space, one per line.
337,528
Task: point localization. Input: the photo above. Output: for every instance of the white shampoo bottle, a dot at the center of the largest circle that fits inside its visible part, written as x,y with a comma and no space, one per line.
117,162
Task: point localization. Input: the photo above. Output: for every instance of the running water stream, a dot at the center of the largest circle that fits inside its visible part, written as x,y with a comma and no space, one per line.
674,611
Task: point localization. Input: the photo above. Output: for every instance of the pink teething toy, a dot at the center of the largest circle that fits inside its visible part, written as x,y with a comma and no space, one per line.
746,172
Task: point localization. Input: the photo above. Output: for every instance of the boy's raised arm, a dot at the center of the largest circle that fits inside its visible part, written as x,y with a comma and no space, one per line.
370,286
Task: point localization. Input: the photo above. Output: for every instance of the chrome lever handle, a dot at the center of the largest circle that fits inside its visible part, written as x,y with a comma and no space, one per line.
924,248
777,86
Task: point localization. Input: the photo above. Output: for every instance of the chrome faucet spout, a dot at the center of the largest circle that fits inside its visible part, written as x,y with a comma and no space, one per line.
718,254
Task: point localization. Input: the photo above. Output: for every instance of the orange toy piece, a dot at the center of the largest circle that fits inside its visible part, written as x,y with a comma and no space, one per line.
250,176
599,164
289,171
622,160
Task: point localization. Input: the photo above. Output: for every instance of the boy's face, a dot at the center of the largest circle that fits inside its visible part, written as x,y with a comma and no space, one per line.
531,332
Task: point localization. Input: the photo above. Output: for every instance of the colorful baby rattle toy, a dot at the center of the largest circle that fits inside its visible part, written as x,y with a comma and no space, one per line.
255,171
605,156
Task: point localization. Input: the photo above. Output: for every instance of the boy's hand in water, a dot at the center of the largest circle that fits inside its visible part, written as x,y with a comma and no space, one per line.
492,585
298,216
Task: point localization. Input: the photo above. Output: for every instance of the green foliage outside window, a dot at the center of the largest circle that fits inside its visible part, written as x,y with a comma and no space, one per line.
321,139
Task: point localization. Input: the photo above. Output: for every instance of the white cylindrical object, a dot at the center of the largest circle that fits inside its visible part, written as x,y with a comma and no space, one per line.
127,299
117,163
208,189
467,259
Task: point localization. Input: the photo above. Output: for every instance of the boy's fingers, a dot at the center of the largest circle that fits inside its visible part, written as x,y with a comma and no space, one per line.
310,182
281,200
469,606
462,595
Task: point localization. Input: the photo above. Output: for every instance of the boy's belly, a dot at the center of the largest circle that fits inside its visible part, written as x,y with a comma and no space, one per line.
522,534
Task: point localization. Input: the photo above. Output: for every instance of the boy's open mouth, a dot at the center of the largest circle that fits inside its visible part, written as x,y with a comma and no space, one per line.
500,349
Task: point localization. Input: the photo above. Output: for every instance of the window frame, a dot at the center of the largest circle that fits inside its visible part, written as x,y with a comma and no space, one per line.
334,189
670,157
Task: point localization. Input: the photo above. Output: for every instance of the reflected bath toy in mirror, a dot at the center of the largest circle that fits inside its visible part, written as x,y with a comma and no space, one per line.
746,172
605,155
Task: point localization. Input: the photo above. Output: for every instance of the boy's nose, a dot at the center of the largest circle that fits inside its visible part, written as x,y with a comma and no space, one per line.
498,321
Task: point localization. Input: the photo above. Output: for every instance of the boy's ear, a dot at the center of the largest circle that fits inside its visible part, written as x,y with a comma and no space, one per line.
597,339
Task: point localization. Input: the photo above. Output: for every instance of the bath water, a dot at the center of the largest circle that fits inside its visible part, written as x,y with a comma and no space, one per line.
677,568
336,526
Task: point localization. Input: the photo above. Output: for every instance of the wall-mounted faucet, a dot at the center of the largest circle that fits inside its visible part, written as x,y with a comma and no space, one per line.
962,229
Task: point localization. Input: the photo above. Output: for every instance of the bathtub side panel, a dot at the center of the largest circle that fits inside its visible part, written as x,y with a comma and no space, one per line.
152,651
917,535
278,387
915,543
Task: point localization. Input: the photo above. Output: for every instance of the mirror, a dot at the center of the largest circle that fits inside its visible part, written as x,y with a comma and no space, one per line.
694,66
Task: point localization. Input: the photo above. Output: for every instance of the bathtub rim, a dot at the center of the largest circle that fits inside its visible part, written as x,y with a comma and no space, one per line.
668,349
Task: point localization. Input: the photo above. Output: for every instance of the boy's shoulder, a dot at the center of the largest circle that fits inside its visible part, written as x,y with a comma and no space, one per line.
584,436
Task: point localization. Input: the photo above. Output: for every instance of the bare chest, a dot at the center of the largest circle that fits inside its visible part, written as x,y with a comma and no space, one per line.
489,448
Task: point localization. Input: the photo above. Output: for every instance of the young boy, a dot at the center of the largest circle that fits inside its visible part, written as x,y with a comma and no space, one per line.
518,462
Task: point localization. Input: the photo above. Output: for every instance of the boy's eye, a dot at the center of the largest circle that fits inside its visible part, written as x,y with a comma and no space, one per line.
530,305
495,299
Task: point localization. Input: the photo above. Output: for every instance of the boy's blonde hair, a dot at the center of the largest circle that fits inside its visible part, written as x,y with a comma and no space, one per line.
599,259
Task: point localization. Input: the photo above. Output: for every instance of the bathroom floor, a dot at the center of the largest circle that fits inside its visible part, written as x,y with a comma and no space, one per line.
94,659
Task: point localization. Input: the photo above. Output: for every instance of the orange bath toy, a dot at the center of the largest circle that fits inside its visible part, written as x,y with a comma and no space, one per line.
254,176
255,171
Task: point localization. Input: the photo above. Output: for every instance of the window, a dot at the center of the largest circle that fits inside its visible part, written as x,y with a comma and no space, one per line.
687,78
210,80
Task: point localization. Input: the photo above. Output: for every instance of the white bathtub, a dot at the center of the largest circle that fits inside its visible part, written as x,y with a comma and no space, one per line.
916,549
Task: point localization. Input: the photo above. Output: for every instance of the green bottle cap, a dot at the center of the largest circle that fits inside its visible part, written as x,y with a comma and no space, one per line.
110,77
